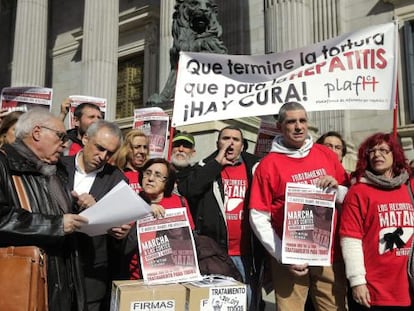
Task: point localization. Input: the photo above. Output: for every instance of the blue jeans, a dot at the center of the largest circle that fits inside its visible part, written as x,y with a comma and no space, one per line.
240,265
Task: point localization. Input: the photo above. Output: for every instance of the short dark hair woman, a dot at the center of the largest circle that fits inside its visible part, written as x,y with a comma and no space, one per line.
157,181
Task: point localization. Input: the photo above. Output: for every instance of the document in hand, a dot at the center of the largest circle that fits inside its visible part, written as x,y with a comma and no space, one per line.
119,206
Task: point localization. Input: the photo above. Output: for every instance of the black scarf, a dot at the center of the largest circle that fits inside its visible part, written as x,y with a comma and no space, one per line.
56,189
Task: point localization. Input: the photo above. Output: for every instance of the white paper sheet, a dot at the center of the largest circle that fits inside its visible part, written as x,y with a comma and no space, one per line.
119,206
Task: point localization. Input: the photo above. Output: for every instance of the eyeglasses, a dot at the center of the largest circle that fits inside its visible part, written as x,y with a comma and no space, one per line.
184,143
334,147
382,151
157,175
61,135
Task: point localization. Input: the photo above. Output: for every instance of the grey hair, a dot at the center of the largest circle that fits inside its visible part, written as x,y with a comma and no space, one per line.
290,106
112,127
28,120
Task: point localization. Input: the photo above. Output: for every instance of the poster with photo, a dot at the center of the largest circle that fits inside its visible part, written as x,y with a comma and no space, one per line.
154,122
167,249
266,134
25,98
308,223
76,100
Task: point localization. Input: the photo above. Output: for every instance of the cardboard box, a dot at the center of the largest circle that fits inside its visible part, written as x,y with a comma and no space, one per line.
216,293
137,296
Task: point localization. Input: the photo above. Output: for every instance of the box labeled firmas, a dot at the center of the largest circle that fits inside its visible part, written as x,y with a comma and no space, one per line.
137,296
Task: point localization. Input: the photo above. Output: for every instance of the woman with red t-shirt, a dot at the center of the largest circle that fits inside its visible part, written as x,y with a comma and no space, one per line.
132,155
157,180
377,224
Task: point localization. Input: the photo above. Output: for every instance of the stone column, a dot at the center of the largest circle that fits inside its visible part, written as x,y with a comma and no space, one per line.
100,51
325,26
287,24
166,40
30,43
150,60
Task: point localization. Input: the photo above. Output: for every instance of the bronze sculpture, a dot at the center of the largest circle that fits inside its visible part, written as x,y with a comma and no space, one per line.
195,28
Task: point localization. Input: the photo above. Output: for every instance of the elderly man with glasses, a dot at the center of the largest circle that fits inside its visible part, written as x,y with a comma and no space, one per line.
50,223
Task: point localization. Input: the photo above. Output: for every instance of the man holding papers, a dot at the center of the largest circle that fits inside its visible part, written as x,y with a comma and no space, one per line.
295,158
91,178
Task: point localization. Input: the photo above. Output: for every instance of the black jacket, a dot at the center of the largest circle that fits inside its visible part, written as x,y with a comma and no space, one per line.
204,191
98,254
73,140
43,227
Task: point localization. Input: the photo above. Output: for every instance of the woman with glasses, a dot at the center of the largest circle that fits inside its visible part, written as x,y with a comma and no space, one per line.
132,155
377,224
157,181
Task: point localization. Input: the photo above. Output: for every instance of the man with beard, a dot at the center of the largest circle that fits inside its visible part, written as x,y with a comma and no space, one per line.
182,152
218,190
84,115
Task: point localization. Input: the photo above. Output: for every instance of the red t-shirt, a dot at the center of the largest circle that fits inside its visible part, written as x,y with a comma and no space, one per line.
133,179
173,201
368,213
276,169
235,185
74,148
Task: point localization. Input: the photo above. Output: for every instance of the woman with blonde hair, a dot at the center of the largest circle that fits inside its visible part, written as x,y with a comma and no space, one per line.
132,155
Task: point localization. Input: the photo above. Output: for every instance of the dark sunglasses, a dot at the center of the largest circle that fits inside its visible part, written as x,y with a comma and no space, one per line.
61,135
184,143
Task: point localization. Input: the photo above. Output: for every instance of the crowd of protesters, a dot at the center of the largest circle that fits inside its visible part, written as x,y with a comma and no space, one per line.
232,196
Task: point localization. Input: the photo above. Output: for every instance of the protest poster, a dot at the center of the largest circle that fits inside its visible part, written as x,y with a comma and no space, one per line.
265,135
154,122
167,249
76,100
25,98
307,225
356,70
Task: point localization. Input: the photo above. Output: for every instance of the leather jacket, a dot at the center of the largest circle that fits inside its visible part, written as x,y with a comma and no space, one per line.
43,227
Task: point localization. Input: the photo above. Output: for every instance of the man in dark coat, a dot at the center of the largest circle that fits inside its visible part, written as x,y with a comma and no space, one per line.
217,189
91,177
40,139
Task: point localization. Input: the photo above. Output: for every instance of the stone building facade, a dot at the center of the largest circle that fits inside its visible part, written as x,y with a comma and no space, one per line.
119,49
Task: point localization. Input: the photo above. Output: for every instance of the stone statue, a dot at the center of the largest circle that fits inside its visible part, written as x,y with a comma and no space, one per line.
195,29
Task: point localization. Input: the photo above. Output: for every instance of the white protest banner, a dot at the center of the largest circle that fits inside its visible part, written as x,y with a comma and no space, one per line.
352,71
25,98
